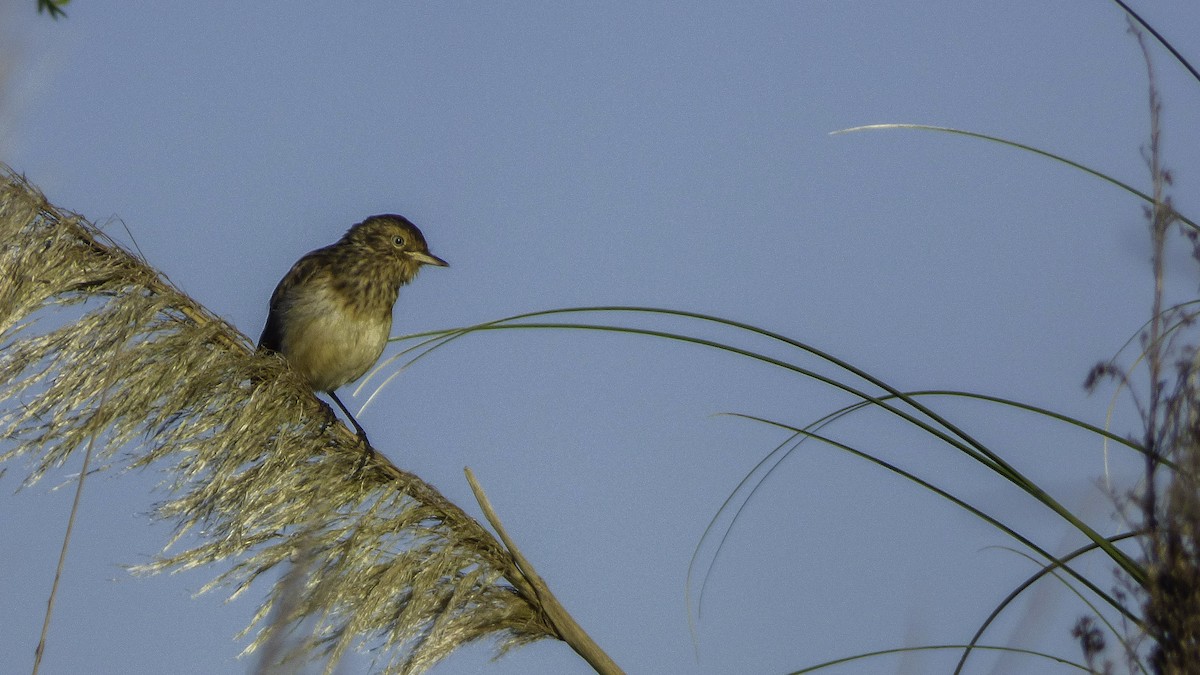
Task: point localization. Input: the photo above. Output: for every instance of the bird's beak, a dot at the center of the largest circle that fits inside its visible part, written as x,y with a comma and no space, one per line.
428,259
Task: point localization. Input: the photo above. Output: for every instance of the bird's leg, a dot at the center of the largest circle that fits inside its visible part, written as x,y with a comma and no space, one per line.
362,433
357,427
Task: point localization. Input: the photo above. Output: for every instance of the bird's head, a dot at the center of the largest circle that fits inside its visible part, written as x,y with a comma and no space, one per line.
393,239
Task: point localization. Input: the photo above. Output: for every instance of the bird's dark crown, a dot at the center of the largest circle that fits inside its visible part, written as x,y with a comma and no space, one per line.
383,229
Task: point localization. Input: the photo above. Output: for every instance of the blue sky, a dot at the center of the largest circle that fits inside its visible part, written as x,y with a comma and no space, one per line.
668,154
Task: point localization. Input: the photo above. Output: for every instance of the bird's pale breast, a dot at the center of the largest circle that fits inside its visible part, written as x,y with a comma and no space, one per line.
327,344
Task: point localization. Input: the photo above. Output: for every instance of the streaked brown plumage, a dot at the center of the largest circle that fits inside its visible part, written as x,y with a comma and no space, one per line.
331,314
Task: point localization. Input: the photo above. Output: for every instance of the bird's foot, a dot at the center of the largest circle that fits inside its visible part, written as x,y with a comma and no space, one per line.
367,449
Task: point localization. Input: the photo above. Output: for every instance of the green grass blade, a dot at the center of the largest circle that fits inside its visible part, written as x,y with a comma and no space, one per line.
948,432
1020,146
1045,569
780,452
927,648
973,510
1161,40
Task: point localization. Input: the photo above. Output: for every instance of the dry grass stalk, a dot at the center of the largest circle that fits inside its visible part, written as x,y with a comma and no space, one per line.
1166,505
1173,594
256,470
1172,432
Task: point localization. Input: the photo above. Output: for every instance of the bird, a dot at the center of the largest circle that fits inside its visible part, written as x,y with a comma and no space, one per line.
331,314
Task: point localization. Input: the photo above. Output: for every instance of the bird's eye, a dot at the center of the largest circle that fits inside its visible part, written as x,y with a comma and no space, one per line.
398,241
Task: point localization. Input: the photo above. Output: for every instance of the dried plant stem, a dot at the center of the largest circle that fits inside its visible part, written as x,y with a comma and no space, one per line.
1160,222
564,624
62,559
62,554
